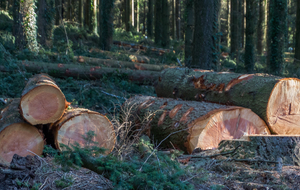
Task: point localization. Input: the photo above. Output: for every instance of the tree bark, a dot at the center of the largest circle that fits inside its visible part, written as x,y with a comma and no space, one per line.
297,46
93,24
251,10
24,29
234,26
178,20
121,64
273,98
150,19
188,125
189,32
242,4
17,136
276,35
46,19
58,7
203,34
106,36
127,15
165,21
80,13
42,101
75,123
87,72
260,28
87,14
158,22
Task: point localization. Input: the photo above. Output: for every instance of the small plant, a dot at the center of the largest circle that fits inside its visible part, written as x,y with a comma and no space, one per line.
217,187
64,182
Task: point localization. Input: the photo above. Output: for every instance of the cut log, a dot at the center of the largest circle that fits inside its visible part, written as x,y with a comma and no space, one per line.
274,99
87,72
42,101
75,123
17,136
190,125
121,64
264,147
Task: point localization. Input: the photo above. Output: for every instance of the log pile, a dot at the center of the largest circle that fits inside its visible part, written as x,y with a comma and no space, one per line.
42,116
275,99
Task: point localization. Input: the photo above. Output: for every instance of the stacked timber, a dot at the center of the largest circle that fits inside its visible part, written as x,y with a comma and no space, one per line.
275,99
41,115
188,125
17,136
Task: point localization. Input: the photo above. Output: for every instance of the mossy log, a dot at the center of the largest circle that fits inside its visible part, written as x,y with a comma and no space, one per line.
188,125
275,99
16,135
138,47
121,64
87,72
75,123
264,147
133,57
42,101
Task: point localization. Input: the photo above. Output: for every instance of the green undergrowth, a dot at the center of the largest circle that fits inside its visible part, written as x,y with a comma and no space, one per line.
139,171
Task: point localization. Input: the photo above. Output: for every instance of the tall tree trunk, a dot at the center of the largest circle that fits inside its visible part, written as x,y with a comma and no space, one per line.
150,19
93,16
58,6
203,34
24,28
45,20
69,11
297,47
178,20
144,17
106,36
216,35
242,23
260,28
251,17
234,26
165,23
189,32
158,17
132,14
276,35
127,15
87,14
173,21
80,13
137,16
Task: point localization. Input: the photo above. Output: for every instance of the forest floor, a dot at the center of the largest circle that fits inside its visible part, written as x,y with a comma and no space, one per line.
106,96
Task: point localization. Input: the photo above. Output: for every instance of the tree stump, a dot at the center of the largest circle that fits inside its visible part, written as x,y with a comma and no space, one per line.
275,99
42,101
17,136
75,123
188,125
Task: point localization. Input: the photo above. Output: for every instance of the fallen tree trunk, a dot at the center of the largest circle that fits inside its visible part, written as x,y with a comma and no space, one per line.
139,47
42,101
274,99
16,135
121,64
75,123
87,72
132,57
188,125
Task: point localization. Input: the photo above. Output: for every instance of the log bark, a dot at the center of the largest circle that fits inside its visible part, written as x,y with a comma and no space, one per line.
87,72
121,64
264,147
274,99
42,101
16,135
188,125
77,122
